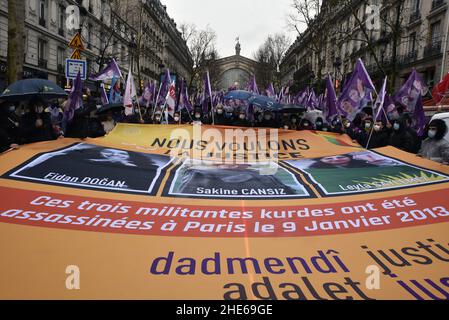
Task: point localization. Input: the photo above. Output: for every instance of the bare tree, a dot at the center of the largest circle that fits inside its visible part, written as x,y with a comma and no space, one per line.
16,43
188,30
392,20
270,55
201,44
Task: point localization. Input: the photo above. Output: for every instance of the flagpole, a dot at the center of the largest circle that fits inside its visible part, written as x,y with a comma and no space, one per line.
157,99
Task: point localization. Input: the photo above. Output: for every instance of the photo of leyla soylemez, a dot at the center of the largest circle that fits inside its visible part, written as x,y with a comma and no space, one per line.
206,179
90,166
363,172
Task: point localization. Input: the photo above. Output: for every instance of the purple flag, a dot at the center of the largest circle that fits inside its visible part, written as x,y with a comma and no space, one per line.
301,98
148,94
114,93
75,100
330,106
252,85
312,101
321,101
184,101
271,93
165,86
410,97
357,92
112,70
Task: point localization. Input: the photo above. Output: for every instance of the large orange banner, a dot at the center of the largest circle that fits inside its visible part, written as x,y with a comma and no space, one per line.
139,221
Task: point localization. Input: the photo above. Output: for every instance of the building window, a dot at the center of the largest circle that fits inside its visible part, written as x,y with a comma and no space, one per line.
61,20
42,13
61,59
89,36
42,54
412,43
435,33
416,4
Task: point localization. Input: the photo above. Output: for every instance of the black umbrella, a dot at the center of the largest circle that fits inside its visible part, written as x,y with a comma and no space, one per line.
110,107
32,89
293,108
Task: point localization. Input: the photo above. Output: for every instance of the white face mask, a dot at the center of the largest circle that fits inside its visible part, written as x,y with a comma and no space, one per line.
220,111
432,134
242,117
197,116
176,119
377,128
286,127
397,126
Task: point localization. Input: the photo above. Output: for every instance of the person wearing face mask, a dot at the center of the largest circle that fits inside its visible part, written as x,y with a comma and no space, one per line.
337,127
305,125
373,136
319,123
35,125
268,121
176,119
436,147
197,116
220,117
157,119
294,123
349,129
242,121
325,128
400,138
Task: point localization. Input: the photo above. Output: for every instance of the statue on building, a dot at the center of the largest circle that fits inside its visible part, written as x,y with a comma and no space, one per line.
238,48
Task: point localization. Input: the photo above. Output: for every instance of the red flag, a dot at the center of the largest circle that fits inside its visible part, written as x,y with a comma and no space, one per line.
171,99
441,90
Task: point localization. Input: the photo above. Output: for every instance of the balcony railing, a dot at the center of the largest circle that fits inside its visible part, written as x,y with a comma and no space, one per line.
408,58
42,63
415,16
437,4
432,49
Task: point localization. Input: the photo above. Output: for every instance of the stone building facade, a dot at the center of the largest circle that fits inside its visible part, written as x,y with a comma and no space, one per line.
106,32
419,41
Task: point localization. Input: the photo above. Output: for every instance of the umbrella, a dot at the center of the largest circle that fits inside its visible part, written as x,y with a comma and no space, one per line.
293,108
265,102
33,88
238,95
110,107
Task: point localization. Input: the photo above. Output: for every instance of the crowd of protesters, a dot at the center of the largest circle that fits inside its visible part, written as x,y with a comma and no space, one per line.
39,121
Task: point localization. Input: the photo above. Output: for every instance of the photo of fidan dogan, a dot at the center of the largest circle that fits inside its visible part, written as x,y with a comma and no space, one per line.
89,166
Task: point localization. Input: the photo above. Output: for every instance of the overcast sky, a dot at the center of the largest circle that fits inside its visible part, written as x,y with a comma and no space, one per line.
251,20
